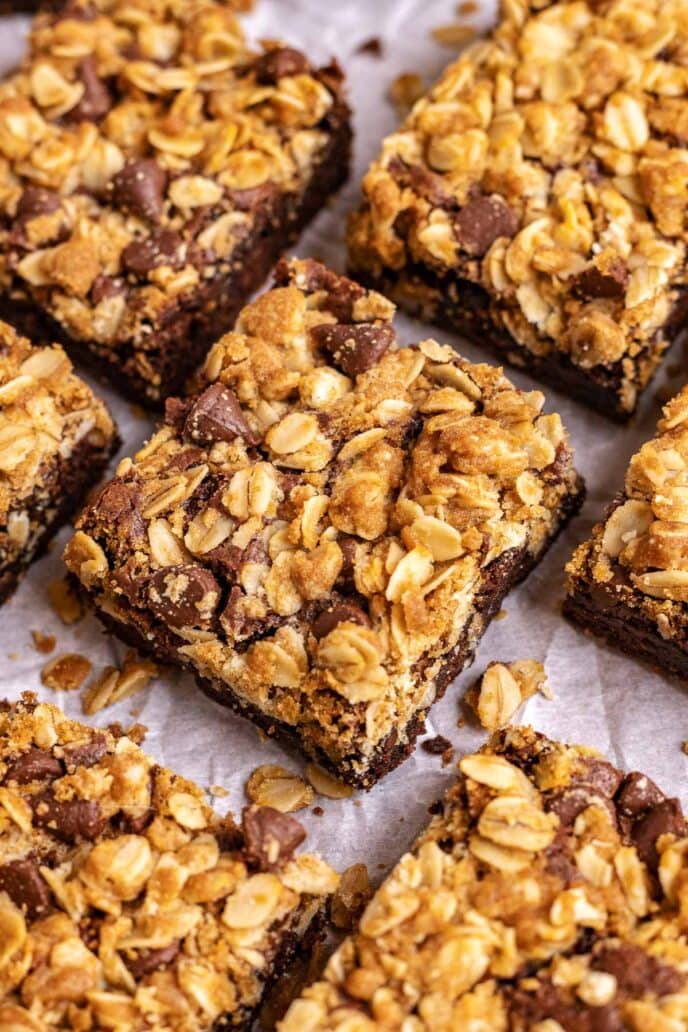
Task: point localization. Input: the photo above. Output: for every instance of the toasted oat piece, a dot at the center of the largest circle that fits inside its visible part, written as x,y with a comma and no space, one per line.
56,438
628,582
125,902
154,167
545,895
322,532
535,200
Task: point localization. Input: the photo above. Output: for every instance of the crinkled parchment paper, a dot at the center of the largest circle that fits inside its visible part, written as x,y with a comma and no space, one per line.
601,698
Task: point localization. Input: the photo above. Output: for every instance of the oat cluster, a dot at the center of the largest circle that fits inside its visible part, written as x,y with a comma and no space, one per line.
47,414
125,902
547,894
139,143
548,166
313,528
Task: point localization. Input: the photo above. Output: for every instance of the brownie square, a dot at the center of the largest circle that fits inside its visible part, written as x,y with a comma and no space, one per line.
628,583
154,168
125,901
56,438
544,895
535,199
324,530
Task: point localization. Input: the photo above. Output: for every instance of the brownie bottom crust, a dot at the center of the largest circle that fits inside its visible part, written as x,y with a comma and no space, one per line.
74,476
602,612
361,770
463,307
180,342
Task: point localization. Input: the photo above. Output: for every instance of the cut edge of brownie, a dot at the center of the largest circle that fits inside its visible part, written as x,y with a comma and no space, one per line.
504,573
212,311
461,306
75,475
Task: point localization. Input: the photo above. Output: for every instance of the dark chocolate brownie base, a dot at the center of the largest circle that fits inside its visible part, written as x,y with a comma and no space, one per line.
502,575
74,477
464,307
626,628
190,328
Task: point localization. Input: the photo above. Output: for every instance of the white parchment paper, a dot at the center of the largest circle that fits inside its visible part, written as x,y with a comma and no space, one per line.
601,698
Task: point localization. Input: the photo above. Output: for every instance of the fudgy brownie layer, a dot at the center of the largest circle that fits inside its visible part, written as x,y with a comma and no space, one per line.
499,578
180,343
625,628
463,307
73,478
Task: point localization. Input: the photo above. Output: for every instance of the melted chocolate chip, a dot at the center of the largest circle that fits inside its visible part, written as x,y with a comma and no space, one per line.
144,962
216,416
270,837
120,502
33,765
610,282
354,347
481,221
341,292
105,287
23,883
601,775
335,614
67,819
162,247
86,755
569,802
252,197
278,63
35,201
549,1001
186,595
664,818
140,188
95,101
637,794
135,824
636,972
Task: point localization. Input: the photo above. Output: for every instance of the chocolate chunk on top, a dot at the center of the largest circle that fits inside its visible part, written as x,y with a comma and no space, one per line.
270,836
35,201
139,188
216,416
609,281
356,347
69,820
278,64
337,613
144,961
662,819
96,100
637,972
186,595
26,887
33,765
481,221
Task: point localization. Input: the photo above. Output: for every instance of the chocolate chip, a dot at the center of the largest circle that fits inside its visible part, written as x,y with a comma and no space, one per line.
278,63
664,818
33,765
550,1002
354,347
86,755
186,595
140,187
270,836
106,287
23,883
252,197
636,972
144,962
423,181
481,221
335,614
559,861
120,503
36,200
341,292
162,247
569,802
601,775
610,282
216,416
176,411
95,101
67,819
135,824
637,794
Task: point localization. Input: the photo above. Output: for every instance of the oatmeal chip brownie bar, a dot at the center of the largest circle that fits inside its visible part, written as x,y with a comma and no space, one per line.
629,582
545,895
535,200
153,169
322,533
125,902
56,438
